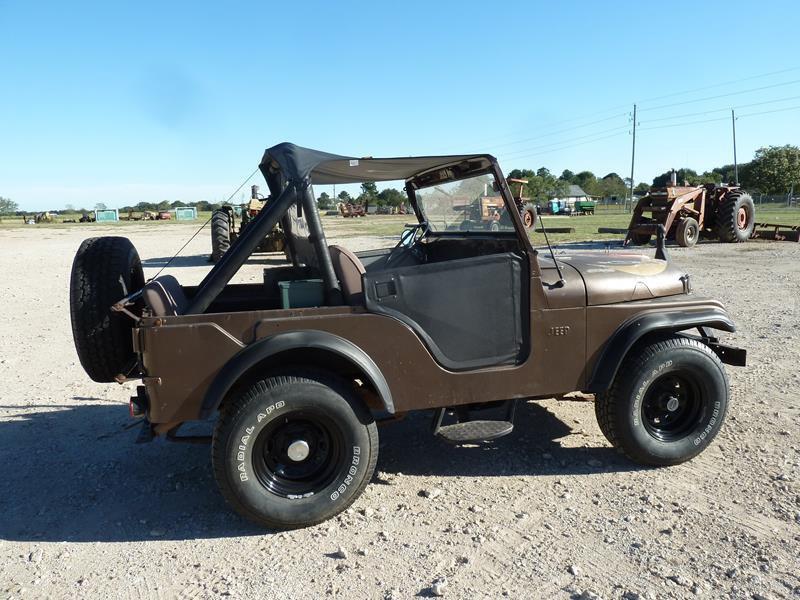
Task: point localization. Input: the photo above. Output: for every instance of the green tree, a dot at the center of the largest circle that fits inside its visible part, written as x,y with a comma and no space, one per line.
324,202
368,195
100,206
612,186
345,197
391,197
8,206
567,175
641,189
775,169
588,182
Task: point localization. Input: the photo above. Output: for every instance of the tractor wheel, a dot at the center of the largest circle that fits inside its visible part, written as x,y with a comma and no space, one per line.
528,216
294,449
105,270
667,402
736,217
687,232
494,226
220,234
640,239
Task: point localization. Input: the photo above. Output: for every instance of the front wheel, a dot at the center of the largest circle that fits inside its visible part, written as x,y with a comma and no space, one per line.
687,232
294,450
667,402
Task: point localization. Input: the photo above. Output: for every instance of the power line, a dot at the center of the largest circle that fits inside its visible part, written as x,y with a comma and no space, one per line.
765,87
716,110
568,146
560,142
539,137
752,114
486,141
716,85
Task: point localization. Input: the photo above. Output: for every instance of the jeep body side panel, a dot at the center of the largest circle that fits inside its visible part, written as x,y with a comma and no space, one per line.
183,355
309,340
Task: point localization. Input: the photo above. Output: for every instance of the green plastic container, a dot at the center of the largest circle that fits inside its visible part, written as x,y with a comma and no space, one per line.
302,293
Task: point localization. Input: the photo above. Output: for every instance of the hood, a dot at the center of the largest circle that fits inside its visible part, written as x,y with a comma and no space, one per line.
612,278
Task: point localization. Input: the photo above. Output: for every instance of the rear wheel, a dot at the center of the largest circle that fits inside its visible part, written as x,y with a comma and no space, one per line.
104,271
221,237
294,450
687,233
667,402
736,218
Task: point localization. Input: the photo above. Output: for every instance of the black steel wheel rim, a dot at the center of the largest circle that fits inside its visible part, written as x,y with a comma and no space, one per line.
291,478
673,406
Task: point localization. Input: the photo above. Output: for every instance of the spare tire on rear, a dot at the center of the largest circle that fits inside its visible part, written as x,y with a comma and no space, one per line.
105,270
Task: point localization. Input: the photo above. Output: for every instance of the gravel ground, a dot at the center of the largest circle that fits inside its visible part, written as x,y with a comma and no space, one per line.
549,511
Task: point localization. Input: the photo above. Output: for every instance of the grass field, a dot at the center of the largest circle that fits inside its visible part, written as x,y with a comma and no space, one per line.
391,225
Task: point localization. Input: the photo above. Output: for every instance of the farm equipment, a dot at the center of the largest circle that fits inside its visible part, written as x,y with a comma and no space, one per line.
724,212
488,211
224,231
349,209
779,233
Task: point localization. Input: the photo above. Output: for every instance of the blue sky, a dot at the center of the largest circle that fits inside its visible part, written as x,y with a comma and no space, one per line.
125,102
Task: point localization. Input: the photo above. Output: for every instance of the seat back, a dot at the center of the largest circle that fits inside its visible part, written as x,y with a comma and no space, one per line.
348,269
165,297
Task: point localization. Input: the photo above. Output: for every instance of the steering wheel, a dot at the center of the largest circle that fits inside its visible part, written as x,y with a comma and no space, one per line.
408,243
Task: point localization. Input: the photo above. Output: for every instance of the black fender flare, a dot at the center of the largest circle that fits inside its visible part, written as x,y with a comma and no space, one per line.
252,355
632,330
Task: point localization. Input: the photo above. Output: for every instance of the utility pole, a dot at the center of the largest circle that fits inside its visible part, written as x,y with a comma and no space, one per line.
633,152
735,164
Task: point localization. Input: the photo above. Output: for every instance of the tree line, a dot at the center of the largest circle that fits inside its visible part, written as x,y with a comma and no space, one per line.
774,170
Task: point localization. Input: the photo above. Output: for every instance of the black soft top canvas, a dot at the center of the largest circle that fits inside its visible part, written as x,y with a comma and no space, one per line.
297,163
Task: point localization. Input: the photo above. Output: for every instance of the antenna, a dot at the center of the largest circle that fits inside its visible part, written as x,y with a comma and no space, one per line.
561,280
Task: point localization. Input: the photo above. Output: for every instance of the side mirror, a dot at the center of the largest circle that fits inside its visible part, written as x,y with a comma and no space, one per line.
407,237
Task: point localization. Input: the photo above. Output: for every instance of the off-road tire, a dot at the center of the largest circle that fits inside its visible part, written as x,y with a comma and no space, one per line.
622,411
248,435
687,232
528,214
736,218
221,237
105,270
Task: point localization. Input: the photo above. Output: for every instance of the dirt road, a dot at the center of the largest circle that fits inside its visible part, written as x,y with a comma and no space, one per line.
550,511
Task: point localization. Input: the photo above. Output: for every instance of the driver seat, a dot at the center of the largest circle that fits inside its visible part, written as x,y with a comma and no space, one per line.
348,269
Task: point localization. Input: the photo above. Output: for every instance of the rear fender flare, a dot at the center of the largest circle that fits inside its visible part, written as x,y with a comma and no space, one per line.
261,350
634,329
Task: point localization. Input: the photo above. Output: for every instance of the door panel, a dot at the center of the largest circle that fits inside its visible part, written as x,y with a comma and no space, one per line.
470,312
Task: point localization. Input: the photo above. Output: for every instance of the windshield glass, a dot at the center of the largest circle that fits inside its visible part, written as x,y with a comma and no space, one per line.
465,205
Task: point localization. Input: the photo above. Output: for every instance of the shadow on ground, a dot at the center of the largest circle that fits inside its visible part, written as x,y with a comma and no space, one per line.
73,473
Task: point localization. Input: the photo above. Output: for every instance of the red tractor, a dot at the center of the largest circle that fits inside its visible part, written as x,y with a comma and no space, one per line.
724,212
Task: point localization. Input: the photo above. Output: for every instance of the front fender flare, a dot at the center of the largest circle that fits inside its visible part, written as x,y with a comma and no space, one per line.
252,355
632,330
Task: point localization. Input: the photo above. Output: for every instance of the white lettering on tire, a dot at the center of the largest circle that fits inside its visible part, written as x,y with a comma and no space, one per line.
245,439
351,473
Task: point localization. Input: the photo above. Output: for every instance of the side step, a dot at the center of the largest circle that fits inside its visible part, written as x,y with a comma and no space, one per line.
468,430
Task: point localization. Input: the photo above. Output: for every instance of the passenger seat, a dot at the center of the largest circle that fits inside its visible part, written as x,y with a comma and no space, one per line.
348,269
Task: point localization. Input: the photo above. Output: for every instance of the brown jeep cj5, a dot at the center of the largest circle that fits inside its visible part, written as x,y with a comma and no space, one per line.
457,318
